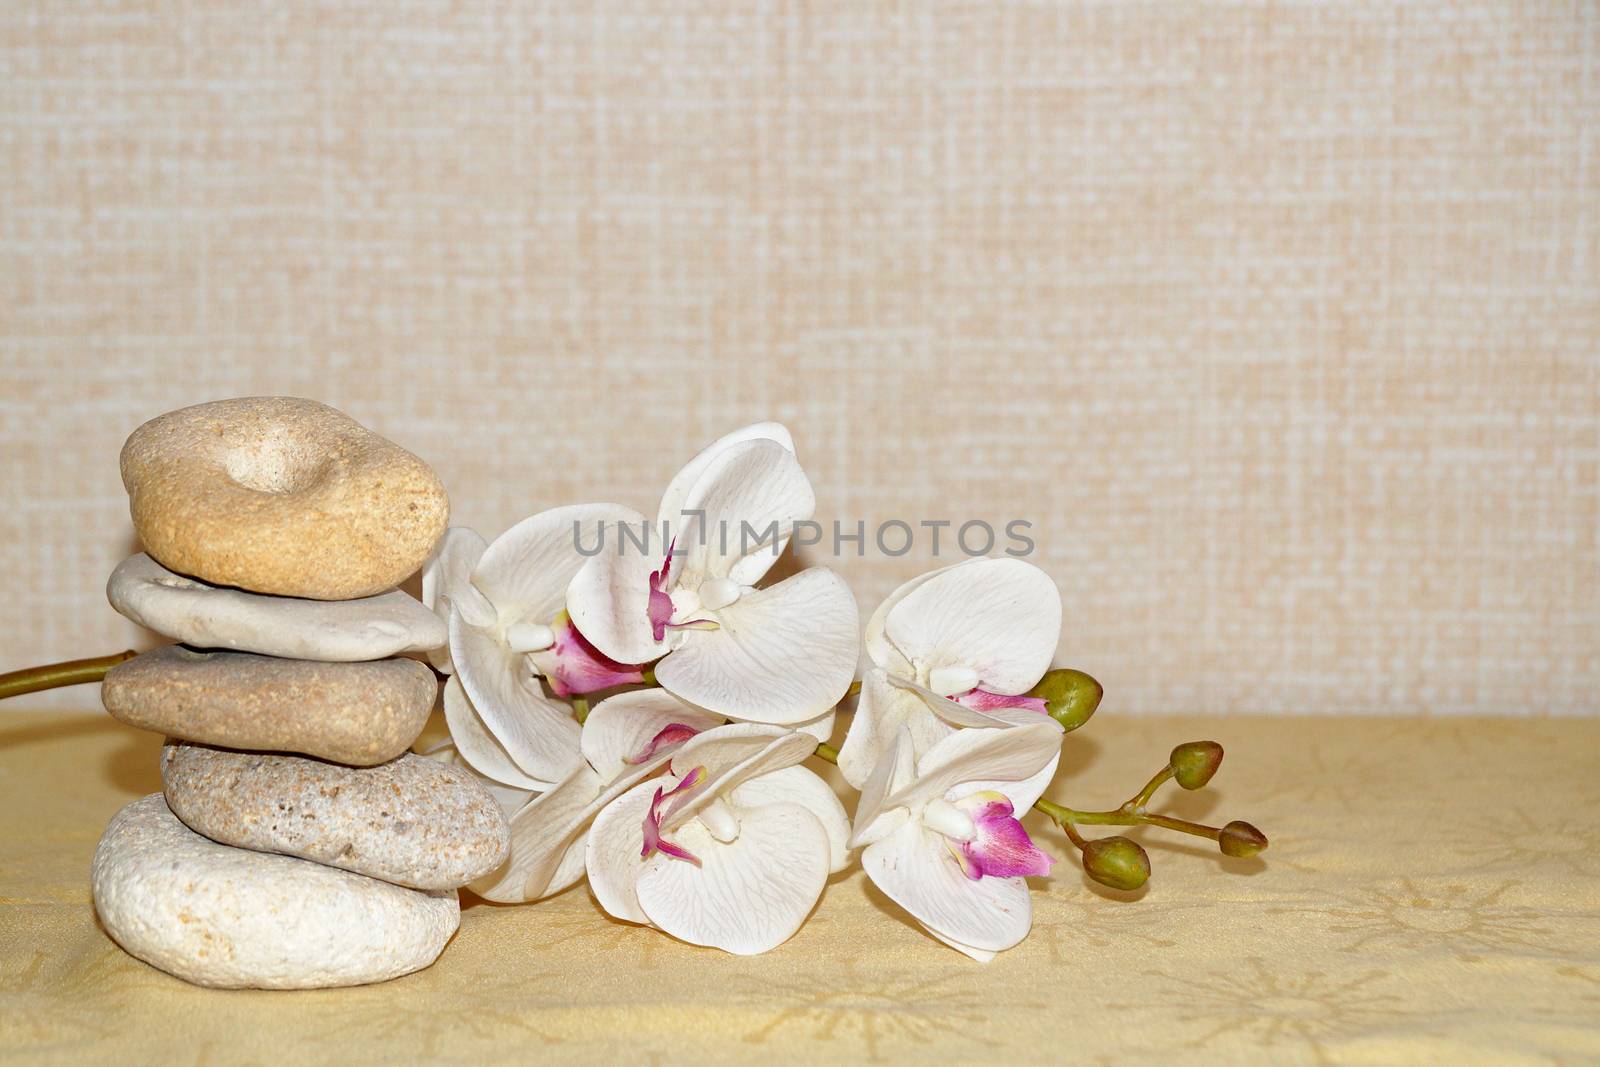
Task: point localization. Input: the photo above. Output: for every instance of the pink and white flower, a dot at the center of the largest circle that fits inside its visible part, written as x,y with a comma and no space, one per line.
783,654
626,739
730,849
506,606
942,838
956,647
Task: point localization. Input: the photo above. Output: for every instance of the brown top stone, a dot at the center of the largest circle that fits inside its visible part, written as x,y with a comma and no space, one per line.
281,495
358,713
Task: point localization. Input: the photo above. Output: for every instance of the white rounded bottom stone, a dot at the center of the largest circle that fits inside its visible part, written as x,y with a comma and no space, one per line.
225,917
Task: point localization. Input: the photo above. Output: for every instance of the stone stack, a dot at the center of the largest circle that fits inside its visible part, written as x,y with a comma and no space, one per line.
298,842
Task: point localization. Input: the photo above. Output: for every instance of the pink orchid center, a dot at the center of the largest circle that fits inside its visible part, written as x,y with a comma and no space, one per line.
997,845
659,606
667,738
574,666
961,684
662,807
983,700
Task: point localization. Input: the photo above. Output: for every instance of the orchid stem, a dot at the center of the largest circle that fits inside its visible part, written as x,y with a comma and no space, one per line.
1124,816
1142,798
580,709
56,675
827,752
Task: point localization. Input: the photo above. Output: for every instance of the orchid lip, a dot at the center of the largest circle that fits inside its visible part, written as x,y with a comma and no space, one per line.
999,846
669,736
662,806
572,665
984,700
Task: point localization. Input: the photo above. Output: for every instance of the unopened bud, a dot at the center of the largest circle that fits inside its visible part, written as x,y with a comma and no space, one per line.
1070,696
1116,862
1240,839
1194,762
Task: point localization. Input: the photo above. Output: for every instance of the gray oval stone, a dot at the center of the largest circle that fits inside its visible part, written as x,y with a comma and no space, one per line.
414,821
209,616
359,713
220,916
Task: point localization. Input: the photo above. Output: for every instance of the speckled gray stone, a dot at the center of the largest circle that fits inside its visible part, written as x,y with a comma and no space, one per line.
220,916
414,821
359,713
206,616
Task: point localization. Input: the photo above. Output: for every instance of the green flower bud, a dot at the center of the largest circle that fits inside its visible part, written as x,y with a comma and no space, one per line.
1116,862
1240,839
1194,762
1070,696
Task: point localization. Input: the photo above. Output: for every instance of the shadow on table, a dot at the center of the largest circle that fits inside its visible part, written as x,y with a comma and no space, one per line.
133,766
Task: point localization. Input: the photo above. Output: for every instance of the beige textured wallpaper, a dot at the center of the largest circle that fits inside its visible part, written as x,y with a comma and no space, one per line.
1279,322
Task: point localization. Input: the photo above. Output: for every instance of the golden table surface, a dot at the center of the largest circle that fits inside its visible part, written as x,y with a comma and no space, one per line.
1432,895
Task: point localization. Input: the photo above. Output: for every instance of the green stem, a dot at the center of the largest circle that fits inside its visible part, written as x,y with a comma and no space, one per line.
580,709
1142,798
55,675
1064,817
827,752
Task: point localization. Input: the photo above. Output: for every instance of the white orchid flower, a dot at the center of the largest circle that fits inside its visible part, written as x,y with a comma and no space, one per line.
942,835
730,849
783,654
506,605
953,648
626,738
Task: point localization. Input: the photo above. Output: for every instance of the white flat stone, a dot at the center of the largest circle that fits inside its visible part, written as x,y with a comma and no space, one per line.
206,616
225,917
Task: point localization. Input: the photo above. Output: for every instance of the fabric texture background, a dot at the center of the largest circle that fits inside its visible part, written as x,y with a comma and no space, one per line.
1279,322
1431,896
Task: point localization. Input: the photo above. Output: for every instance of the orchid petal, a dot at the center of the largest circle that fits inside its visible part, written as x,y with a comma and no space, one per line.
621,728
799,786
550,831
730,756
748,895
821,727
999,617
895,770
914,868
478,747
677,492
885,705
782,655
957,714
526,570
1022,793
538,733
542,832
1008,756
979,954
880,649
609,601
611,853
743,492
446,580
